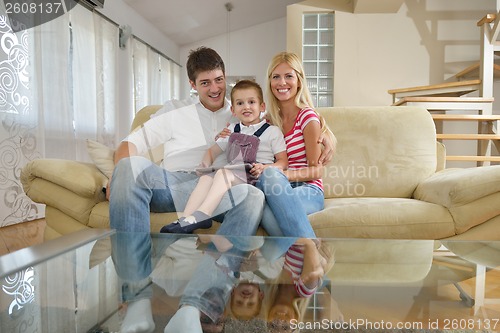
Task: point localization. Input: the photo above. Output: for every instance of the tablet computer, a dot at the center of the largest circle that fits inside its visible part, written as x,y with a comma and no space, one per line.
244,166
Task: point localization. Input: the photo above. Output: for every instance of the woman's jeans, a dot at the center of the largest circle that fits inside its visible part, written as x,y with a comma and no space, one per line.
139,187
286,210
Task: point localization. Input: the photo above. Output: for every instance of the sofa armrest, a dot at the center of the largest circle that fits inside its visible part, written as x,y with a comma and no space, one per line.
83,179
72,187
457,187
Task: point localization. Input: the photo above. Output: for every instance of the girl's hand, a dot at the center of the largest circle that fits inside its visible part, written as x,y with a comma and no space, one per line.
203,164
224,133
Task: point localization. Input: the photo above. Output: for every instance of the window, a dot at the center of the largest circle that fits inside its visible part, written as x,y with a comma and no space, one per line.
318,56
156,78
59,86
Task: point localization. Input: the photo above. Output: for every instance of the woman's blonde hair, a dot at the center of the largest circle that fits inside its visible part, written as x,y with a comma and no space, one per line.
299,304
303,98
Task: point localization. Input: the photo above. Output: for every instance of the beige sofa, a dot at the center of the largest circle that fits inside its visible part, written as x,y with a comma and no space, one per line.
387,180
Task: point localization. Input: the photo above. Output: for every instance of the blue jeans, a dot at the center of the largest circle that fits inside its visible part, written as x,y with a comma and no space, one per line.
139,187
286,210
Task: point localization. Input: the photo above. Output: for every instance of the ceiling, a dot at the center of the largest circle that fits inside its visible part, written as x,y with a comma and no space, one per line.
188,21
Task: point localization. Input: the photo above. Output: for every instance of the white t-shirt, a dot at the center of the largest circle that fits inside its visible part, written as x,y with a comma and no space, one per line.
271,141
186,134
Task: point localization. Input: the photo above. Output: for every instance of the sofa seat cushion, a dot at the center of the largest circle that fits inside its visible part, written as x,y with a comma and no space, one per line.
99,218
60,223
390,218
75,206
485,253
368,261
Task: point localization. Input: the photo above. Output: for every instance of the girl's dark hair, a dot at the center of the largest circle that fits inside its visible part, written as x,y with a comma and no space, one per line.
201,60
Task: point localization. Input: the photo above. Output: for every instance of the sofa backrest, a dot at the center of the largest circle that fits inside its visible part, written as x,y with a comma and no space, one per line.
143,115
382,151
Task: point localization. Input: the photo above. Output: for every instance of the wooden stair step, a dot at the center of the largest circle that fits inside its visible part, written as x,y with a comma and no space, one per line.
473,158
468,136
473,72
466,117
442,100
452,89
488,18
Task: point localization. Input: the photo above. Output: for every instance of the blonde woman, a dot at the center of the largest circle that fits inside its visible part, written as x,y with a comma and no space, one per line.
294,193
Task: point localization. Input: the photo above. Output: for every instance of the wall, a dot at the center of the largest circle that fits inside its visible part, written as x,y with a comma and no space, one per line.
425,42
251,50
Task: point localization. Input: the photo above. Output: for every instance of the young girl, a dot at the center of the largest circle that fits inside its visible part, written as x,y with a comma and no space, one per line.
290,108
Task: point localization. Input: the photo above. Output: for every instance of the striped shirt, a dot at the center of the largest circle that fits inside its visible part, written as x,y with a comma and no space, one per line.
294,263
295,145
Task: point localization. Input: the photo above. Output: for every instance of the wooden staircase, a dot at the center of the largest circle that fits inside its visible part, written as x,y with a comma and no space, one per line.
442,100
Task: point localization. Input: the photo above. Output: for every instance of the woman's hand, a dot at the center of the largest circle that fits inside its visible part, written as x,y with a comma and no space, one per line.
257,169
224,133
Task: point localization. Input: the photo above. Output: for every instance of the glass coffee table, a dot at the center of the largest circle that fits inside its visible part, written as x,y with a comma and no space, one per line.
71,284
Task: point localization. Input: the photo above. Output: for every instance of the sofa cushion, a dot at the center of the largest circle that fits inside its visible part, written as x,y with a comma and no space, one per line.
74,205
485,253
99,218
476,212
382,151
368,261
102,156
60,223
388,218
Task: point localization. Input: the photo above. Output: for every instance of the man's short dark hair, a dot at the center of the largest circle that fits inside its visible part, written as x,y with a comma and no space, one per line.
203,59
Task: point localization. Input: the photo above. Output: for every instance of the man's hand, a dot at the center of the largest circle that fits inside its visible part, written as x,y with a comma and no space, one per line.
108,188
329,146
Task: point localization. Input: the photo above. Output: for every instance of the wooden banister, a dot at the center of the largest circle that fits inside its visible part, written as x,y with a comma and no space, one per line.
487,19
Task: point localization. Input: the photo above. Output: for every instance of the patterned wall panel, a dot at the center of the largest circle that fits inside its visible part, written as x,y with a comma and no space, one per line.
18,143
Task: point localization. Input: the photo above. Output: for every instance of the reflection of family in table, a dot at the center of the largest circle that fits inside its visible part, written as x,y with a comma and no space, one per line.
240,285
277,196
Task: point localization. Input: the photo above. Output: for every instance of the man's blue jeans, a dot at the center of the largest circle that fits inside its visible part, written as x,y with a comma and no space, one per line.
139,187
286,210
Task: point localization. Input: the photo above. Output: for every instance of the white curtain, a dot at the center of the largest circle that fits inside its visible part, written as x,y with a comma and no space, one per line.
51,86
94,75
156,78
140,64
176,81
76,83
59,83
